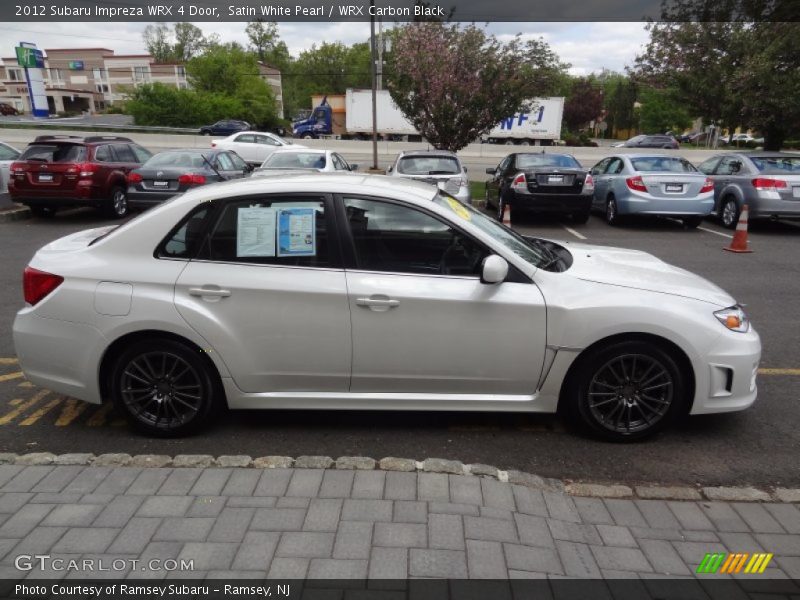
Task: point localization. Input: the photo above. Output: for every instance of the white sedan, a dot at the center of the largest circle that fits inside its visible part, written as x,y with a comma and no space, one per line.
304,159
8,154
330,291
253,146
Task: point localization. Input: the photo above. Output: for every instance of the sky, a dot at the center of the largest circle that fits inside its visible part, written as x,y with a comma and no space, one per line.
588,47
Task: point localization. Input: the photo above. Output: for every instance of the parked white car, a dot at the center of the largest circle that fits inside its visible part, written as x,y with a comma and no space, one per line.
303,159
8,154
331,291
253,146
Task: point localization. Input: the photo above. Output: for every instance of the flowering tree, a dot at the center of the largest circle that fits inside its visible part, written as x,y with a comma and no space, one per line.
455,83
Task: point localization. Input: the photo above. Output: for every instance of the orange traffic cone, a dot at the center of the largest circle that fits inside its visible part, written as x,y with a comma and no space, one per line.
506,215
739,242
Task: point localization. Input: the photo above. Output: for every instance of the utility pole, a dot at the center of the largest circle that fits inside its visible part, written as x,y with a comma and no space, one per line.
374,61
379,64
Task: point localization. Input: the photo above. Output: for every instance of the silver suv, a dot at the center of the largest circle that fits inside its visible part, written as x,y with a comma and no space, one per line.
438,167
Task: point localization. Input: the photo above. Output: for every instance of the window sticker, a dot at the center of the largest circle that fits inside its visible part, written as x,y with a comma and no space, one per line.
255,231
297,232
459,209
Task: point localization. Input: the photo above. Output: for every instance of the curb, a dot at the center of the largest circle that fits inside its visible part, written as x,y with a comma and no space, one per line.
15,214
429,465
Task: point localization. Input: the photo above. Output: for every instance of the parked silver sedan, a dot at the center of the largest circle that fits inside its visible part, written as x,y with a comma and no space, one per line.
651,184
769,183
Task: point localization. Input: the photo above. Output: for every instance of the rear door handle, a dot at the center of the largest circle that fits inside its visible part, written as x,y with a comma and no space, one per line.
378,303
212,292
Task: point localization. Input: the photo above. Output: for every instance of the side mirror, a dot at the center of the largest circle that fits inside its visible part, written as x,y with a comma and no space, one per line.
389,170
353,167
494,269
490,170
595,171
465,169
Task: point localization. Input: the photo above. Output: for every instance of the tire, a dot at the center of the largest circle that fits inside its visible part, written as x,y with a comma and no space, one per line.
692,222
498,213
729,212
206,133
612,213
525,143
43,212
160,410
605,393
307,136
486,197
581,218
508,143
116,207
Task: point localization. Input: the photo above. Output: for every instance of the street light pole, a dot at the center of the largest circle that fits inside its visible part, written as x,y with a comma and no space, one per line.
374,87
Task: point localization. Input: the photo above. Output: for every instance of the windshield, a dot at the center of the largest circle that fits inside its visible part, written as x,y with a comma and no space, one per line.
537,255
54,153
777,164
525,161
661,164
295,160
177,159
428,165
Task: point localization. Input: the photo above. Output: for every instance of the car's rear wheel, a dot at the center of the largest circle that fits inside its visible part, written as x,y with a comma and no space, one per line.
206,133
729,212
626,391
612,213
692,222
44,212
163,388
116,206
307,136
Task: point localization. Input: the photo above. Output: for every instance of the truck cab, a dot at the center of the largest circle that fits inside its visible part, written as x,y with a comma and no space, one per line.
319,123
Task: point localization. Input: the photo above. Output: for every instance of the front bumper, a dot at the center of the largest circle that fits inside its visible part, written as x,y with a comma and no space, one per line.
726,374
550,203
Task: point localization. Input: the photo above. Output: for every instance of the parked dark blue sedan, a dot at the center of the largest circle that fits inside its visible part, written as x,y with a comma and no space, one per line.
225,127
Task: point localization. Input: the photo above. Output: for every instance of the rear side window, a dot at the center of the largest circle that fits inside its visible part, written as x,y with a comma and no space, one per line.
124,153
288,231
142,155
187,238
54,153
103,154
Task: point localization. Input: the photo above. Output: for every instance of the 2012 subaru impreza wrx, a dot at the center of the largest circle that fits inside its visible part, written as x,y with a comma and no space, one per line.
332,291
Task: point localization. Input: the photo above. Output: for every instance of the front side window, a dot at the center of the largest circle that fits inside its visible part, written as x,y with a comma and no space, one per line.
124,153
615,166
289,231
729,165
238,163
246,138
7,153
103,154
142,155
400,239
224,162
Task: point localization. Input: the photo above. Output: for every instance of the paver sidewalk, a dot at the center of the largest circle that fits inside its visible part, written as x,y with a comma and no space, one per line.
329,523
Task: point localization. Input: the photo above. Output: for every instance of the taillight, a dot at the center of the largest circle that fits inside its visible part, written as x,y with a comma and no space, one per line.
134,178
764,184
707,186
87,169
520,184
18,168
37,284
588,183
213,144
191,179
636,183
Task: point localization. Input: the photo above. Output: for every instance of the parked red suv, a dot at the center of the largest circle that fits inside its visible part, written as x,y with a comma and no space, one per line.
58,171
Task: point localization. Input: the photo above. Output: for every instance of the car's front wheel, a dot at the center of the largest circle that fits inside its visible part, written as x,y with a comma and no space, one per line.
612,213
163,388
626,391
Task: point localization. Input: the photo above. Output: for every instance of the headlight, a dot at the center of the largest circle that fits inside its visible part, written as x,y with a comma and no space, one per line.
734,318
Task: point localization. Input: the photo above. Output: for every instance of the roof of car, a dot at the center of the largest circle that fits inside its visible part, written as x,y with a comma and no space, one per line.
433,152
338,183
78,139
763,153
287,150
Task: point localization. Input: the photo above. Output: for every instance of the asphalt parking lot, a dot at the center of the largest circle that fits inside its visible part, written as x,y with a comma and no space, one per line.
756,447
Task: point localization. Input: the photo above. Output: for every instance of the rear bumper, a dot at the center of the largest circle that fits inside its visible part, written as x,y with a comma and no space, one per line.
55,202
139,199
650,205
769,204
550,203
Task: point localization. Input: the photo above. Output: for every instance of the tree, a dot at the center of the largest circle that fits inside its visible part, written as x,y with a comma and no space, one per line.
157,41
263,36
455,83
189,41
733,62
620,97
661,112
584,102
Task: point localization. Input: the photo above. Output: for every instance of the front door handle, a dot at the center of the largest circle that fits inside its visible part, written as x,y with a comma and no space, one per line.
212,292
378,303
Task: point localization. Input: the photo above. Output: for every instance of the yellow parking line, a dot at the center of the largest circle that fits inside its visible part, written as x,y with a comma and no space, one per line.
779,371
21,408
41,412
71,411
9,376
8,361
